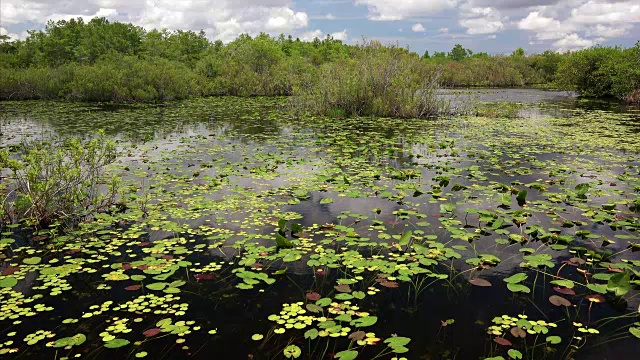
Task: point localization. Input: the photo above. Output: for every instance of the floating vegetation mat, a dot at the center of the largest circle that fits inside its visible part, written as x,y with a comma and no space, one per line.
244,232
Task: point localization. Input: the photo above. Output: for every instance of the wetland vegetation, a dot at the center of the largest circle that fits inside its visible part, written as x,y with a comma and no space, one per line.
116,62
244,230
327,209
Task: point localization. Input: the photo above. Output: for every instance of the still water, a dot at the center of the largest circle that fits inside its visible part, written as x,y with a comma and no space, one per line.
403,238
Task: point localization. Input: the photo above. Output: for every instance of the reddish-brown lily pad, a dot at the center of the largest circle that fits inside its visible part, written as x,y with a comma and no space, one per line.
502,341
559,301
389,284
565,291
479,282
204,277
518,332
151,332
9,270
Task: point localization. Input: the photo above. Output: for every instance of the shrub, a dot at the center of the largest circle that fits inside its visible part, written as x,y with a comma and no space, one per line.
601,71
379,80
59,181
497,71
35,82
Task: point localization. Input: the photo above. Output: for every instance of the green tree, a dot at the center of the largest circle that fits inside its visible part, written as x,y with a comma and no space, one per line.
458,53
518,52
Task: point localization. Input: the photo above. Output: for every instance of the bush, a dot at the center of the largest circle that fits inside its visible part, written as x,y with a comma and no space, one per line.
379,80
121,79
253,67
601,71
59,181
35,83
497,71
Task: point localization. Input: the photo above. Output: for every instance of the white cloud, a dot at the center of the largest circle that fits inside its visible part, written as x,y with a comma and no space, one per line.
537,22
576,24
417,28
609,31
388,10
221,19
443,30
310,35
480,20
572,42
13,36
340,35
603,12
546,28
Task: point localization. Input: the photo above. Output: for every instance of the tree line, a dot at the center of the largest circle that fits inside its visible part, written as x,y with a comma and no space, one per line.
101,60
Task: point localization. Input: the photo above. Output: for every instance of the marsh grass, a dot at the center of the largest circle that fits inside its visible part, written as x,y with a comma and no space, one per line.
380,80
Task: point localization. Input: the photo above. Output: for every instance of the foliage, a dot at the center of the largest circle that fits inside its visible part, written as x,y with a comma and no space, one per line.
379,80
594,72
101,60
602,71
59,181
111,61
202,251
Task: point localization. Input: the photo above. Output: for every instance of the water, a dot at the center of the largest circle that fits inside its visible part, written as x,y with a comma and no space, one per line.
208,180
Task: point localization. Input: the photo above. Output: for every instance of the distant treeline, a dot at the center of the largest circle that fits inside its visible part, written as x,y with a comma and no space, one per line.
111,61
594,72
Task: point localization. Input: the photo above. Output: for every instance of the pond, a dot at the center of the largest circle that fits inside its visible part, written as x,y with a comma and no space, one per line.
251,233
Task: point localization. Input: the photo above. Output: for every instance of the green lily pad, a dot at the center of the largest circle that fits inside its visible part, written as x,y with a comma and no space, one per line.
8,282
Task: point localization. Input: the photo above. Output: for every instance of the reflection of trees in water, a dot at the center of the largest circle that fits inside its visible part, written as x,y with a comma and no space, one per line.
139,123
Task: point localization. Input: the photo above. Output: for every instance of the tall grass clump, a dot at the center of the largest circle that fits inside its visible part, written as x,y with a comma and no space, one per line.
59,181
378,81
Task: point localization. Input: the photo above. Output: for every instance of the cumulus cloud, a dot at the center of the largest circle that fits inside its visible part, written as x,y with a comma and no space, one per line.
512,4
582,23
603,12
417,28
612,31
221,19
388,10
572,42
340,35
481,20
546,28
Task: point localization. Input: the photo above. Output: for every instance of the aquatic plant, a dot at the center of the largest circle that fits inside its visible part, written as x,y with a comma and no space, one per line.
253,233
60,180
379,80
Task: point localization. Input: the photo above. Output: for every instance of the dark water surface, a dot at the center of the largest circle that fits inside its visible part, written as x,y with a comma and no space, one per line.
206,182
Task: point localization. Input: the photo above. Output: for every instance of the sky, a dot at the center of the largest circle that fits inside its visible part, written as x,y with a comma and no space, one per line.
493,26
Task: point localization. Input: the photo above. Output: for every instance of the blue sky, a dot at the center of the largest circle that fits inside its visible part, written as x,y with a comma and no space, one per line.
494,26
